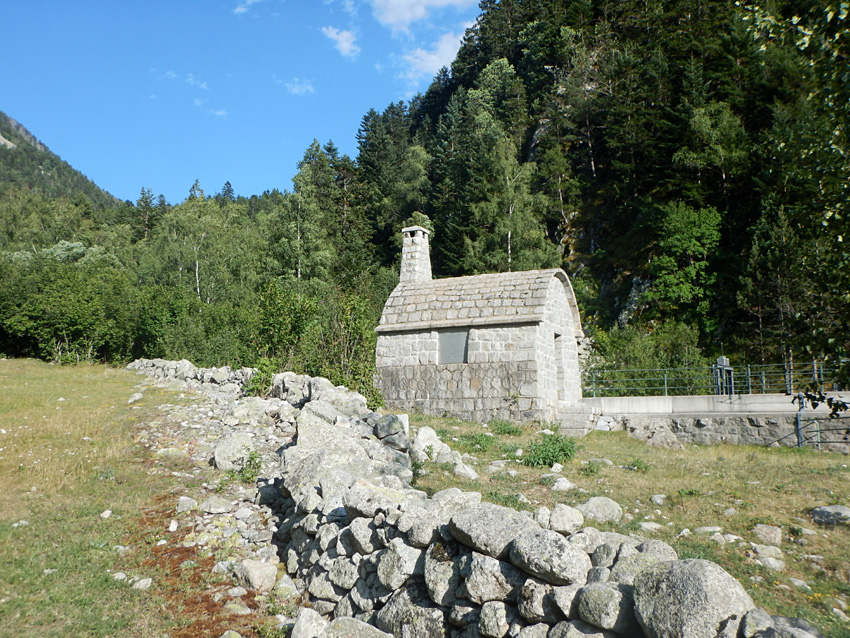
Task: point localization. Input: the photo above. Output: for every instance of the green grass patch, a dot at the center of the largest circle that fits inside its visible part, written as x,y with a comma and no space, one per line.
505,428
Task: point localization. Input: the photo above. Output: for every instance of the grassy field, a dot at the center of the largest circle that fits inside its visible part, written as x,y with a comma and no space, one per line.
67,454
775,486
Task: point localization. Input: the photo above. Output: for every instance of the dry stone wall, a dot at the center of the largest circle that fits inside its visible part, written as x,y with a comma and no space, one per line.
376,557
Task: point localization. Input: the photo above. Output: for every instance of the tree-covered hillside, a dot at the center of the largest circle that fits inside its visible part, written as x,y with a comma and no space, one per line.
686,163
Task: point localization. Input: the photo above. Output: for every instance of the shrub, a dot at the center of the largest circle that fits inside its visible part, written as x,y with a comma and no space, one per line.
554,448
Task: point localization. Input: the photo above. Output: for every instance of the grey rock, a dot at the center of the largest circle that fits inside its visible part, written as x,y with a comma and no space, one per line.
236,607
490,579
598,575
216,505
565,520
232,450
143,584
587,539
789,628
464,471
579,629
604,554
539,630
464,613
754,621
768,534
398,563
496,619
536,602
549,556
428,443
364,536
609,606
427,521
185,504
562,484
256,574
658,549
343,573
444,562
285,587
352,628
627,569
308,624
409,612
658,499
489,528
831,515
691,598
565,598
602,509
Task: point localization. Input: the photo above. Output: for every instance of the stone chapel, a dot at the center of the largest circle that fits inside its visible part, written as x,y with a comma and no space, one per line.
481,347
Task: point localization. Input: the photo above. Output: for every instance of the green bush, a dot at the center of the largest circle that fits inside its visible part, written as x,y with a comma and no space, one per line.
554,448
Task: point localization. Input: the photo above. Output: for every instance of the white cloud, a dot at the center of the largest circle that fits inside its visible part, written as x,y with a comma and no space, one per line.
199,103
345,41
426,62
219,112
190,79
400,14
243,6
347,5
299,87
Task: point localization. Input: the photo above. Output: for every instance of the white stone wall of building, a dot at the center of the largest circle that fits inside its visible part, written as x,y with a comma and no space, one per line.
560,379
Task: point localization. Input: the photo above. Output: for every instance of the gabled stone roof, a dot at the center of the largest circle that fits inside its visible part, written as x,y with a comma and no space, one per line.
478,300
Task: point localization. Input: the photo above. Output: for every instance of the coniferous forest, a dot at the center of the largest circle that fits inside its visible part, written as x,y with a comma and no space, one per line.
687,163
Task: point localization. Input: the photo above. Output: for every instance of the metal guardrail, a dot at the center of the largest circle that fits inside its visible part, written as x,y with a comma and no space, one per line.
717,379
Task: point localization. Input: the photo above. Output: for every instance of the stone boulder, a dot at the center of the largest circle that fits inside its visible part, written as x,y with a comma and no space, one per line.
549,556
602,509
691,598
352,628
489,528
232,450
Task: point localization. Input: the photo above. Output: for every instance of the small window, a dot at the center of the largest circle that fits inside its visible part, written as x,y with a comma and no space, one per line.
454,346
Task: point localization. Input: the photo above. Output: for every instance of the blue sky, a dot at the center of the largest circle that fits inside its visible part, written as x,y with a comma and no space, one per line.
157,94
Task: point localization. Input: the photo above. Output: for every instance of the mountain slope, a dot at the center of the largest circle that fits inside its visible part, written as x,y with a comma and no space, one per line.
28,165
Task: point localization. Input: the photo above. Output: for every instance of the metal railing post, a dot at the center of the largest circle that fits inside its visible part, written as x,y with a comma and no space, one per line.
665,382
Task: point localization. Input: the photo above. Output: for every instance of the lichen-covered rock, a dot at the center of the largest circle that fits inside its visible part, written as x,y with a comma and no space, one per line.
550,557
352,628
579,629
256,574
691,598
539,630
602,509
626,570
565,520
489,528
409,612
496,619
398,563
536,603
308,624
609,606
444,565
232,451
489,579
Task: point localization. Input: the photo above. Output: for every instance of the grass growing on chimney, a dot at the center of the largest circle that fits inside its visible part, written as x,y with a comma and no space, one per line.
777,486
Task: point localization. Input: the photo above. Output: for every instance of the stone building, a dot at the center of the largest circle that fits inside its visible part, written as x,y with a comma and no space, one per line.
481,347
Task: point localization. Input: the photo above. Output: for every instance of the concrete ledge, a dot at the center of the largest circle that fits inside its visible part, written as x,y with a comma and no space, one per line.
702,405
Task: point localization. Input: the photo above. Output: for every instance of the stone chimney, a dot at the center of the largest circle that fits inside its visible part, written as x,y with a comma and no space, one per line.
415,257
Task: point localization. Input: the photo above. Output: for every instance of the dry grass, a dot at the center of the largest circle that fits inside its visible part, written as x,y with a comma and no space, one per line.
763,485
67,453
